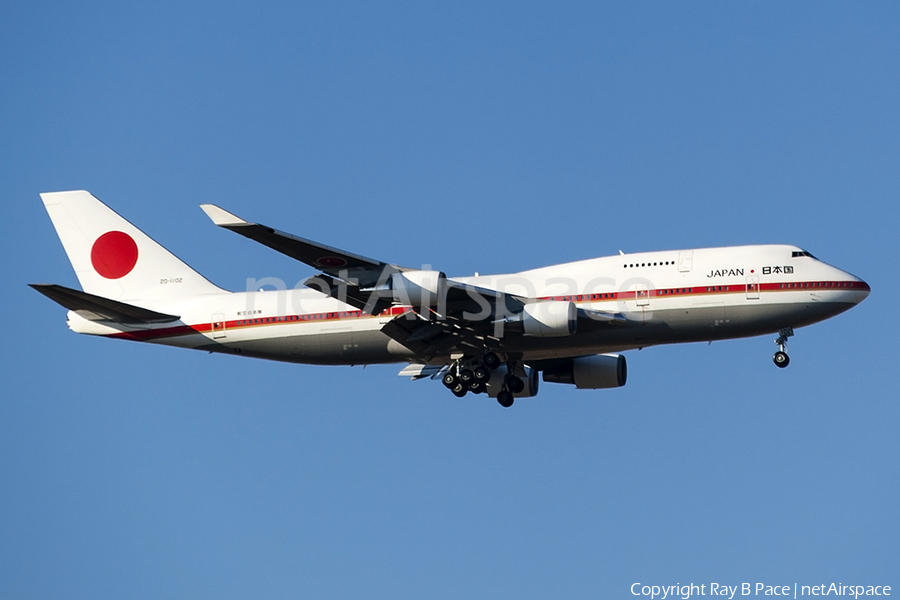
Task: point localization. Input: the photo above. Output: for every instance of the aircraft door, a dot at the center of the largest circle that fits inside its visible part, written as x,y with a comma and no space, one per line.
642,295
218,326
752,287
685,261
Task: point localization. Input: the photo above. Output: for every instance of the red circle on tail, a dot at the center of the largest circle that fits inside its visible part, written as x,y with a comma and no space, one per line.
114,254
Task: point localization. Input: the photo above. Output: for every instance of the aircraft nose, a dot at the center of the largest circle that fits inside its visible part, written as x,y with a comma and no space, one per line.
865,289
859,289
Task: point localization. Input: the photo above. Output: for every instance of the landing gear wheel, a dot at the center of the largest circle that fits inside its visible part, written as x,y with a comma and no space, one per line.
516,385
459,390
505,399
781,359
449,380
466,376
476,387
481,374
491,360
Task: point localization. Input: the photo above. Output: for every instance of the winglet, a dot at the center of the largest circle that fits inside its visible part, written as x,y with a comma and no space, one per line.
222,217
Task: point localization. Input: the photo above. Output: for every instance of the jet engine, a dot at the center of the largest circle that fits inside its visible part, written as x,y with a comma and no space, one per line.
550,318
419,288
590,372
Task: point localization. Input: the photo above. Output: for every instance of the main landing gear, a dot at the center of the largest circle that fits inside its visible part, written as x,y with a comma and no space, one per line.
472,375
512,384
781,358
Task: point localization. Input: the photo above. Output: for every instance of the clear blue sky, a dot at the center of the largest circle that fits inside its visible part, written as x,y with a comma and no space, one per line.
473,138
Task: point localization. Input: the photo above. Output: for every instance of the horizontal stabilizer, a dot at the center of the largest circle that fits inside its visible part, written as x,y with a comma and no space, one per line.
104,308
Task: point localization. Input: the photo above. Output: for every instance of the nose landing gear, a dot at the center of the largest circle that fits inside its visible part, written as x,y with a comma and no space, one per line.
781,358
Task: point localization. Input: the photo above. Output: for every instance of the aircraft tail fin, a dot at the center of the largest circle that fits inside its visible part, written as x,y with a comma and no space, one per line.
114,259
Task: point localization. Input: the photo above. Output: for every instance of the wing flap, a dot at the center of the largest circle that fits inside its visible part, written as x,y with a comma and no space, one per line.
432,338
416,371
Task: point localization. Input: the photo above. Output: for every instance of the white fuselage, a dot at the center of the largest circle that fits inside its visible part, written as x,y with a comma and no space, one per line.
664,297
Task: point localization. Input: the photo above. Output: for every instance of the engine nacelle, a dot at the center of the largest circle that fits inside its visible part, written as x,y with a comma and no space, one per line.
551,318
419,288
498,377
590,372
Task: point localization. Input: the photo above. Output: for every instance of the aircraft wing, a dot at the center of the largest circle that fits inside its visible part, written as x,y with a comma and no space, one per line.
365,271
358,280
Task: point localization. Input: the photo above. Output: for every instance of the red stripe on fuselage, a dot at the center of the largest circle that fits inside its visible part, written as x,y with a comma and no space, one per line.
705,290
739,288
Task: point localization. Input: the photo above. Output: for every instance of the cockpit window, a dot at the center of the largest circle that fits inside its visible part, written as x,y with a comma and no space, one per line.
795,254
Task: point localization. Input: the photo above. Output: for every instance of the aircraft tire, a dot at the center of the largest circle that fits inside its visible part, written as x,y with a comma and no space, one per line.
781,359
516,385
491,361
449,380
505,399
481,374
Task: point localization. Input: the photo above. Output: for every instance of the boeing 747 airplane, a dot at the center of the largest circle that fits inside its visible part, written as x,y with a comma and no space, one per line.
487,334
